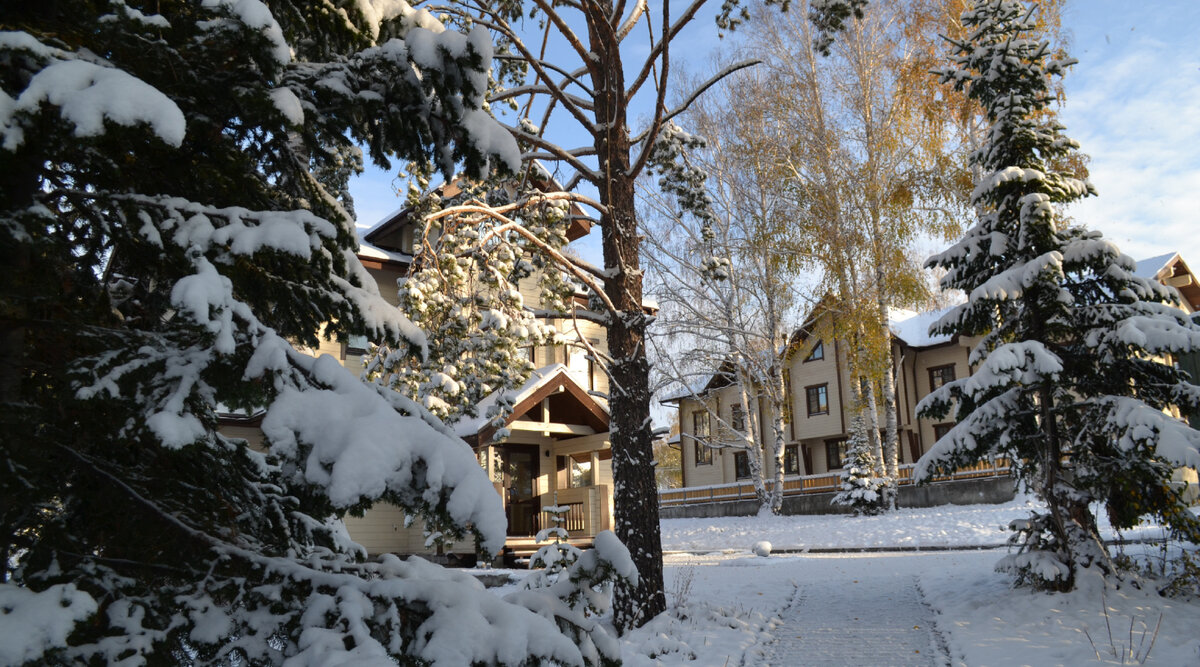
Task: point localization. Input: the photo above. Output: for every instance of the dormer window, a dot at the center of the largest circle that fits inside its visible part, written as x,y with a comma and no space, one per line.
818,352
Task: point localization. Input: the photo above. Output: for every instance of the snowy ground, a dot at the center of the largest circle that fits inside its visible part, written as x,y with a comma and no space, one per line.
947,525
729,607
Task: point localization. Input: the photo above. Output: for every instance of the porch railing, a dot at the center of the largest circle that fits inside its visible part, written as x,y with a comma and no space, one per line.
587,512
823,483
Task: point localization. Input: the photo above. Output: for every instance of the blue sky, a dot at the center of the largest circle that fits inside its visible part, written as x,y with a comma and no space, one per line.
1133,103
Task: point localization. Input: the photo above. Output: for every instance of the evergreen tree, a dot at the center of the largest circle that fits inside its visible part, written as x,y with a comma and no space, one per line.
861,488
173,220
464,291
1074,382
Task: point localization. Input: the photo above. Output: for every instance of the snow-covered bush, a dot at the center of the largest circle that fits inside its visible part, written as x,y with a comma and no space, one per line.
550,560
1073,382
173,222
579,597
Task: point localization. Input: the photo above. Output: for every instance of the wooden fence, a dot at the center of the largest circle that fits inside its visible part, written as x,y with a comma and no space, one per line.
823,483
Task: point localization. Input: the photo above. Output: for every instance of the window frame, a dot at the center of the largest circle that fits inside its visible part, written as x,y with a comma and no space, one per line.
737,418
939,372
835,449
702,455
741,463
792,453
819,391
817,353
944,427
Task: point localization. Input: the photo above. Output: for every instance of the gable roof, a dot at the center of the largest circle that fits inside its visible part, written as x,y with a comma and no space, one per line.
553,381
1173,272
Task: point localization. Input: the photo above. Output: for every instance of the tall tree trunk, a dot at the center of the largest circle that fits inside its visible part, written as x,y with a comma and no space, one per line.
753,435
635,508
775,400
891,436
870,413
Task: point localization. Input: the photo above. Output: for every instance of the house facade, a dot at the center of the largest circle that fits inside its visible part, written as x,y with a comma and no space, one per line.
819,394
557,450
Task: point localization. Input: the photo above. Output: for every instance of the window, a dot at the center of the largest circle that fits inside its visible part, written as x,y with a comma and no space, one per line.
741,465
940,430
818,399
737,417
791,460
835,453
357,345
817,354
704,455
407,240
581,473
940,375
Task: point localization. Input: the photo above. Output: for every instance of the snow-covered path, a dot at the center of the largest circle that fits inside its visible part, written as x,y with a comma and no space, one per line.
871,618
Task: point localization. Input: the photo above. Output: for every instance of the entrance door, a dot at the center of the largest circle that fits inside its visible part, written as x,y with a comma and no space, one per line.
520,466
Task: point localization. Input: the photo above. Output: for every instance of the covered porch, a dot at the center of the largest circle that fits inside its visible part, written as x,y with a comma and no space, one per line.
556,454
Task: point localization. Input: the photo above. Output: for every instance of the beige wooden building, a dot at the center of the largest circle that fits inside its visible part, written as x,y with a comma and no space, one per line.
557,452
819,393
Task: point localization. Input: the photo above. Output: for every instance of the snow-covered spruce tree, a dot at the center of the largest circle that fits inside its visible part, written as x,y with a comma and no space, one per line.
552,559
464,292
173,221
1074,382
861,487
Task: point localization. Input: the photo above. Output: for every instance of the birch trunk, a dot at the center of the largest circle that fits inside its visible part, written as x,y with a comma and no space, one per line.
750,439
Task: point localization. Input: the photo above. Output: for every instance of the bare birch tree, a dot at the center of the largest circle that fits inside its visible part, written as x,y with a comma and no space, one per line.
873,167
734,323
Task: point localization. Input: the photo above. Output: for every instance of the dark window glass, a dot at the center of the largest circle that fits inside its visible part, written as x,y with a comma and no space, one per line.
704,454
791,460
818,399
940,375
940,430
741,465
835,453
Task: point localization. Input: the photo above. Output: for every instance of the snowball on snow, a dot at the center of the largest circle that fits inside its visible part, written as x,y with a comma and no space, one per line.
762,548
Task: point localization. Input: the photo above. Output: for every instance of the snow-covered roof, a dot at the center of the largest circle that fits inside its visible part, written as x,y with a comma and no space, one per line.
913,327
1149,268
539,378
374,252
363,233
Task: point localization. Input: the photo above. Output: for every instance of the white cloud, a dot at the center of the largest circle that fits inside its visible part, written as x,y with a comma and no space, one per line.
1133,103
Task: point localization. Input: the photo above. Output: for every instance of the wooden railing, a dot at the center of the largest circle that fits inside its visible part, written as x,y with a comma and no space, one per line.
587,512
823,483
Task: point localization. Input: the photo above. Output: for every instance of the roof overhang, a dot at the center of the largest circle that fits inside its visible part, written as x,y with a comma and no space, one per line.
554,383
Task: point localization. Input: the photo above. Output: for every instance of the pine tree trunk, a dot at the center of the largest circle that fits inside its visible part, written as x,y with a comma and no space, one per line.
635,493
